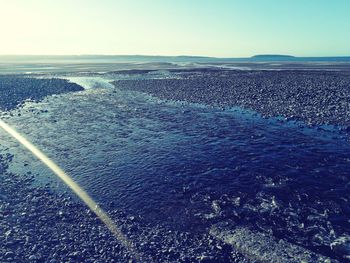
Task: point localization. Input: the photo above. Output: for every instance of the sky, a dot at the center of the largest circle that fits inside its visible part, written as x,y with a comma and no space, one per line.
219,28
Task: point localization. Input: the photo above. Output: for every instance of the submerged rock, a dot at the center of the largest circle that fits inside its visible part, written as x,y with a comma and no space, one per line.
341,246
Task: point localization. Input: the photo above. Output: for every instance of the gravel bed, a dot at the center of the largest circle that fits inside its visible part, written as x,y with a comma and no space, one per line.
14,90
315,97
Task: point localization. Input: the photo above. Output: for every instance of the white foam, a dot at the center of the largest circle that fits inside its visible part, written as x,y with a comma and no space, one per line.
263,248
91,82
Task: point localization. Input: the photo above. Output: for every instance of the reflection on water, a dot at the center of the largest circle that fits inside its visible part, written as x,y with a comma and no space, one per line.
190,166
81,193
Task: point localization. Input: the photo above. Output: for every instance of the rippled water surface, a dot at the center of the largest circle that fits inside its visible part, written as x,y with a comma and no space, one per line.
190,166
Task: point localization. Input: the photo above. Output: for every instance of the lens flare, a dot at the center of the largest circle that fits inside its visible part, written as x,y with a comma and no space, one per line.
101,214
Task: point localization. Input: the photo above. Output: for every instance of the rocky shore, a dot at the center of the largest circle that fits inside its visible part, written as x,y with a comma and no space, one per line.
38,224
16,89
315,97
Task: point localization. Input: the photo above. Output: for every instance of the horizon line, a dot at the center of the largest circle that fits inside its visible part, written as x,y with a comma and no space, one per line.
154,55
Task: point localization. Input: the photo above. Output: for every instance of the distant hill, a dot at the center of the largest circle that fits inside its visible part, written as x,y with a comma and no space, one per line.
269,57
161,59
289,58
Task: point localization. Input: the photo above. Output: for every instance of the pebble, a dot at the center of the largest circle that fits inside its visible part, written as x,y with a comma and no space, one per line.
9,254
32,257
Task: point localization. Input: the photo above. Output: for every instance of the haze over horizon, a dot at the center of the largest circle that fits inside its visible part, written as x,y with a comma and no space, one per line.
193,28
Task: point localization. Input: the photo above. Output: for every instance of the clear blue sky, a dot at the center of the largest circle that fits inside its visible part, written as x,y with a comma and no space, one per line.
223,28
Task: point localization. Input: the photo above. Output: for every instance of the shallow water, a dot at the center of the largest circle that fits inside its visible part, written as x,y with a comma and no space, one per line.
189,166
